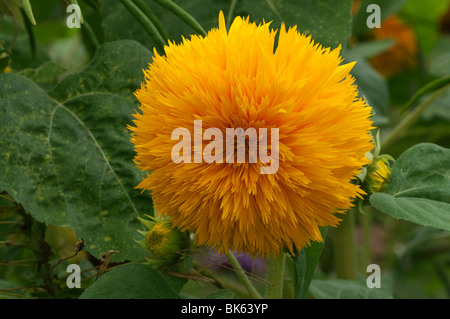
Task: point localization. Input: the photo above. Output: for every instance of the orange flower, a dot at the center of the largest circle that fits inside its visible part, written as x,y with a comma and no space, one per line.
236,79
403,54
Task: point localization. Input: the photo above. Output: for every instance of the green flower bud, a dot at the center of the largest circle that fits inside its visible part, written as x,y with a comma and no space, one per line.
378,174
164,242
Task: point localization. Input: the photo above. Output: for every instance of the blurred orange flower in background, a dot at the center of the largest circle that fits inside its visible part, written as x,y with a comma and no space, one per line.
403,54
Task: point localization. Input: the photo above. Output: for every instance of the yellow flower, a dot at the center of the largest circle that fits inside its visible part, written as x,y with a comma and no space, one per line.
379,176
163,241
236,79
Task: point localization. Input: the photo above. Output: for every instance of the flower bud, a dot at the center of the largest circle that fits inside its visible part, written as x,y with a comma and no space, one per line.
378,174
164,242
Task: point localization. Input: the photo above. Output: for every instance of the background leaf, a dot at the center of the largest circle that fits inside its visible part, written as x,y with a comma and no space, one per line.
130,281
328,22
372,86
348,289
305,264
221,294
419,187
67,157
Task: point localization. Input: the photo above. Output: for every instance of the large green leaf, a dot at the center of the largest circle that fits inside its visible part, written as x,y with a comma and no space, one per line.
305,263
372,86
66,156
419,187
130,281
46,75
328,22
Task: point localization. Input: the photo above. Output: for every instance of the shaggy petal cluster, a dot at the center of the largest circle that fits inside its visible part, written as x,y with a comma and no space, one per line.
237,79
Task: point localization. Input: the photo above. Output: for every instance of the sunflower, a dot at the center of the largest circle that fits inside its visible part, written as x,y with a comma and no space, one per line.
237,79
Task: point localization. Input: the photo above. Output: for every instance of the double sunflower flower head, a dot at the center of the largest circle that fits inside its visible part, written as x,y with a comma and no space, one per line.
238,78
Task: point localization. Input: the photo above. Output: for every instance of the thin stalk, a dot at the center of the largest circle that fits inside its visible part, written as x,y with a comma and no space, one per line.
90,35
16,295
218,282
183,15
16,30
364,253
29,28
8,222
430,87
145,23
276,276
344,247
153,18
242,276
230,13
411,118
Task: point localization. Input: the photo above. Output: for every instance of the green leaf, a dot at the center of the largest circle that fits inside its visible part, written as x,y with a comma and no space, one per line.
369,49
328,22
66,155
441,66
419,187
440,109
22,56
46,76
372,86
348,289
424,17
221,294
130,281
305,264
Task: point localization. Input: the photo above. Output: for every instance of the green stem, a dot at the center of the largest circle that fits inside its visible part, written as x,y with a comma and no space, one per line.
430,87
8,222
90,35
145,23
230,13
276,276
152,16
411,118
183,15
242,276
364,252
29,28
344,247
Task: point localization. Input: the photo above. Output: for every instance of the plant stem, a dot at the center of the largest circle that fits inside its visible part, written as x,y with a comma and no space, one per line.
153,18
344,247
364,252
411,118
145,23
183,15
230,13
276,276
242,276
90,35
7,222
